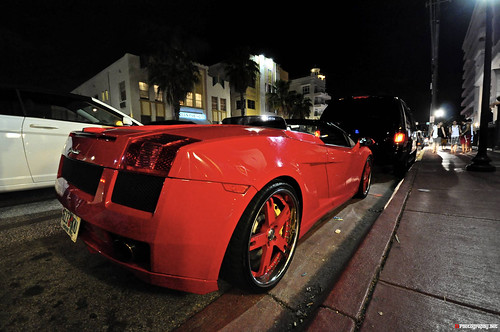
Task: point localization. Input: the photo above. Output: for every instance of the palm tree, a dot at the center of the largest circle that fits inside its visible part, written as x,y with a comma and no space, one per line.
301,107
172,69
242,72
289,103
281,98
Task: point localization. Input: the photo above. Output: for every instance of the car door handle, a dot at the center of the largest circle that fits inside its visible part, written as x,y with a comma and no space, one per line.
42,127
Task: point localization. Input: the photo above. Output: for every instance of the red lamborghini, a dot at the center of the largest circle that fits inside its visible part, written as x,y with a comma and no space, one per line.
182,205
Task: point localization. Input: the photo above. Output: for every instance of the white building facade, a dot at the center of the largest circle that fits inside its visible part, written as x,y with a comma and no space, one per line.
473,47
124,85
219,92
313,87
269,73
256,94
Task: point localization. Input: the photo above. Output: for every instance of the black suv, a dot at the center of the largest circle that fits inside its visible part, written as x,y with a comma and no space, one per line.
385,119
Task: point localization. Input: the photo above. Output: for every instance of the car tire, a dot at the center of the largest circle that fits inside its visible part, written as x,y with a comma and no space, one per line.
264,241
366,179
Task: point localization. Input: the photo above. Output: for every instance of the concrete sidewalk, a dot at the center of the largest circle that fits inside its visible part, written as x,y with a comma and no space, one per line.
432,258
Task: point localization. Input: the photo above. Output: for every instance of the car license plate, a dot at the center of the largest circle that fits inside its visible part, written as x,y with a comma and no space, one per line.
70,222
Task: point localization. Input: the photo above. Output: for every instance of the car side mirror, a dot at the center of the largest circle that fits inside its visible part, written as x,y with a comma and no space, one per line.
366,141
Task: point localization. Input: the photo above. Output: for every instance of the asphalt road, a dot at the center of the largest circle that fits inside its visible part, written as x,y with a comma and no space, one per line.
47,282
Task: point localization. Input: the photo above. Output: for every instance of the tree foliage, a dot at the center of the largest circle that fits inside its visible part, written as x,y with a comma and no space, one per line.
172,69
289,104
242,73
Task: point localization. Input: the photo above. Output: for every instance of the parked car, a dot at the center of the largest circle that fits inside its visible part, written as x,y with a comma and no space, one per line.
34,126
181,205
387,120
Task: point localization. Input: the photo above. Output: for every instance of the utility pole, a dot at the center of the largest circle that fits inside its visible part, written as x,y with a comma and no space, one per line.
434,12
434,17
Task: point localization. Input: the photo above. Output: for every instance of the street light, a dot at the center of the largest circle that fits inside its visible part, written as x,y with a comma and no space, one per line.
439,113
481,162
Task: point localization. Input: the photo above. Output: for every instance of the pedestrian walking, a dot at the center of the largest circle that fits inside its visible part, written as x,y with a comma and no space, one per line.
443,135
468,136
454,136
436,140
463,130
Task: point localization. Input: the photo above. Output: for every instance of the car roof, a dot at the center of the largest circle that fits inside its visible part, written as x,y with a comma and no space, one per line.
43,90
73,96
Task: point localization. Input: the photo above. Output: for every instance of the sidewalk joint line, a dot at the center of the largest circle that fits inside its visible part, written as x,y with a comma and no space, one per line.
452,215
445,299
337,311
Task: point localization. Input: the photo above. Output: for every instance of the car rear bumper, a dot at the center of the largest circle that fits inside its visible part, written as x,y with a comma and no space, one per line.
141,271
391,154
180,244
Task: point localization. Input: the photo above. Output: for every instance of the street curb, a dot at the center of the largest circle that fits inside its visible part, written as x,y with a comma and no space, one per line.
268,312
344,307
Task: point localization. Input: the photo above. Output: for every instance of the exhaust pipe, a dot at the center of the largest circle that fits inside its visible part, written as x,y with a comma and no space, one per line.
125,250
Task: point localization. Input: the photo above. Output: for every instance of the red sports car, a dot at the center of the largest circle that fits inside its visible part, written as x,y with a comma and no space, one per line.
180,205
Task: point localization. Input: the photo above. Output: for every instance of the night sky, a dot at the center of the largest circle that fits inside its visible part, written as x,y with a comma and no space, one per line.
363,47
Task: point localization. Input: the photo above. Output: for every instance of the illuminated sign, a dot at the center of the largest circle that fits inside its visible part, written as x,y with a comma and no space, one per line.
195,116
192,113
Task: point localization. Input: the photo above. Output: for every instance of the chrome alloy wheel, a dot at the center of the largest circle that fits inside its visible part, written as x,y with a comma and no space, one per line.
273,237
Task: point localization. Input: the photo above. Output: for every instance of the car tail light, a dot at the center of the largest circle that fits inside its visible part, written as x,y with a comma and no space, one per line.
154,154
399,137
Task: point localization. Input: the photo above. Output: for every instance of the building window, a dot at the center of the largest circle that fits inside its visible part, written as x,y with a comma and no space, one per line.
158,93
217,79
105,95
305,90
143,90
145,111
215,105
189,99
123,92
194,100
160,112
223,104
199,103
251,104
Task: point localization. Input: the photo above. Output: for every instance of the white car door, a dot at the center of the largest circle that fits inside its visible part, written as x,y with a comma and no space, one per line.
14,171
13,167
43,143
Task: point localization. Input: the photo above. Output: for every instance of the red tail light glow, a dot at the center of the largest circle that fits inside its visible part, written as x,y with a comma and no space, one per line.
154,154
399,137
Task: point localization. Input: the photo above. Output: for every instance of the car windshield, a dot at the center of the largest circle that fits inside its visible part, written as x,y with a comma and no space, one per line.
358,116
257,121
64,108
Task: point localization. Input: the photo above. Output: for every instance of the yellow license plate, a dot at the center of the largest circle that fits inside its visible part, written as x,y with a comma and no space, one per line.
70,222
